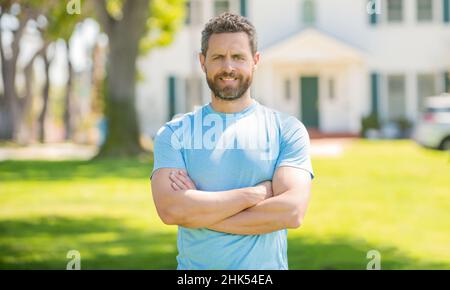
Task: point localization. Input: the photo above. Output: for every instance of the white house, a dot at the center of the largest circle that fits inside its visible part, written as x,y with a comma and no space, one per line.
327,62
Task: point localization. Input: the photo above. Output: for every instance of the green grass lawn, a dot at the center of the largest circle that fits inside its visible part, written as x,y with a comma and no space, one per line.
389,196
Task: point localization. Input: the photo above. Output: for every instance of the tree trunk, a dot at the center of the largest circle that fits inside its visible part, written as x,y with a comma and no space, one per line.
23,135
9,103
8,108
97,81
45,94
68,106
122,137
122,134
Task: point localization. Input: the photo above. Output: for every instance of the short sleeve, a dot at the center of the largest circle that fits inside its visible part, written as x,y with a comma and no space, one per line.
167,150
294,146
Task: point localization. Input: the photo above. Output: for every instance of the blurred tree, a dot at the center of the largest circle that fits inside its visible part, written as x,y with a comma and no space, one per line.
53,22
10,103
59,25
23,133
98,75
132,27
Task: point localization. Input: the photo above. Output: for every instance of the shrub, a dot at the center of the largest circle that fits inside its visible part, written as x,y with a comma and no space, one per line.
369,122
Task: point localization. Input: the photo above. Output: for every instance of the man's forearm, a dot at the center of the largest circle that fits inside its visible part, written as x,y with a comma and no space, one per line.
196,209
276,213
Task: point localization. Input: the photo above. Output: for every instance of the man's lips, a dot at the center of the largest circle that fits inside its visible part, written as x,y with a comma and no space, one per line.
228,80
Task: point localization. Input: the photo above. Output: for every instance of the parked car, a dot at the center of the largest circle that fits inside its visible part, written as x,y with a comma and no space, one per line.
433,128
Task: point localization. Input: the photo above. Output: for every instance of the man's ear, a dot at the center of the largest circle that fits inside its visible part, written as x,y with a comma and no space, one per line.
256,59
202,58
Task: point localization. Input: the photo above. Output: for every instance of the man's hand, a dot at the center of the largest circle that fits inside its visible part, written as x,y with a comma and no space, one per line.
180,180
291,187
265,188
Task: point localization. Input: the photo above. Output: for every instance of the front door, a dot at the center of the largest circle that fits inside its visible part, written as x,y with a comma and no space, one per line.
309,89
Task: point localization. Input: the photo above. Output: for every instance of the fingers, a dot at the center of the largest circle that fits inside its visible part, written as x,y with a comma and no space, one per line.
181,181
182,175
186,180
176,184
268,187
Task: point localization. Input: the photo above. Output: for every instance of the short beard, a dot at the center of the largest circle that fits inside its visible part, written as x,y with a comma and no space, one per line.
230,94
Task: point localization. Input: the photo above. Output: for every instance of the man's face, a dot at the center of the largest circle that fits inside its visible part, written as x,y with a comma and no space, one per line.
229,65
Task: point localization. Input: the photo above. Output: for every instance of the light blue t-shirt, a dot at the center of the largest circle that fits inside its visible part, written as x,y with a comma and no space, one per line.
228,151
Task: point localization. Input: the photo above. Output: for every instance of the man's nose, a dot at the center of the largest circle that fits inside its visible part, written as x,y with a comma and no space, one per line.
228,66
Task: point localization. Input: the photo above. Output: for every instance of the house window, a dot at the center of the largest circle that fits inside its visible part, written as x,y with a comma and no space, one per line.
308,12
243,7
426,86
373,10
187,19
424,10
194,89
447,82
331,89
221,6
193,12
287,89
172,94
374,79
394,10
446,9
396,97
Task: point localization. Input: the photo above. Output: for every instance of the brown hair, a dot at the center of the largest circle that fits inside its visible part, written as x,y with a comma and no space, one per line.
228,22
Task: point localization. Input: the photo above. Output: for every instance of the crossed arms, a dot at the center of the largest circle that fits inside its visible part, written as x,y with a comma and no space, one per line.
266,207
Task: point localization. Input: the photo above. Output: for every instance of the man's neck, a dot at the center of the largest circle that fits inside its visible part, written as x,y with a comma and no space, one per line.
231,106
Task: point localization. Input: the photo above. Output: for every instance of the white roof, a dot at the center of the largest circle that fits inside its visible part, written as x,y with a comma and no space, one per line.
312,46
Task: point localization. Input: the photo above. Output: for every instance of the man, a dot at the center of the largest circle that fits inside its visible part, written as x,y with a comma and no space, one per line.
233,175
